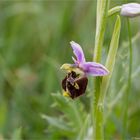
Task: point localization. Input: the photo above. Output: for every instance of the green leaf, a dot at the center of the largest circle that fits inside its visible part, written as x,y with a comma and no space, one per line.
71,108
83,131
17,134
110,62
3,114
102,8
56,122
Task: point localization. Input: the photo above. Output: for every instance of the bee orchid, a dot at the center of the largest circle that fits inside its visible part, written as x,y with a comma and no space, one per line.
75,83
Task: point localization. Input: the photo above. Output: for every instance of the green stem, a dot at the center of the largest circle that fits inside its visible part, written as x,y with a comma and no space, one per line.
100,30
114,10
125,117
102,8
99,114
99,107
111,58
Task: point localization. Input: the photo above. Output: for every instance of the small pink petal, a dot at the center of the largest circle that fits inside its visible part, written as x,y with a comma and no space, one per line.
94,69
130,10
78,52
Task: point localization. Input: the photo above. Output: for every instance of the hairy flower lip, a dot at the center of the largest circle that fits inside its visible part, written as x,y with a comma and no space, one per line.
73,85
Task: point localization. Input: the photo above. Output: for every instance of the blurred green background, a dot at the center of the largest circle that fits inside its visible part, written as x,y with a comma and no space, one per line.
34,43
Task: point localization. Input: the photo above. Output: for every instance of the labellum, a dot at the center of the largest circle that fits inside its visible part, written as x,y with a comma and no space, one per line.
74,85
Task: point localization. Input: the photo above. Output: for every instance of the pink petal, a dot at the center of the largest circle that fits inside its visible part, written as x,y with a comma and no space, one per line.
130,10
94,69
77,50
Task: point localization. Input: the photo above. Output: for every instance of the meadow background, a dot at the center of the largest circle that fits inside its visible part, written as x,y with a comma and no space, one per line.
34,43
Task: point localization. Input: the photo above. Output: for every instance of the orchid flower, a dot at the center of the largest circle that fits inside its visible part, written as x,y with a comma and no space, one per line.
75,82
130,10
80,64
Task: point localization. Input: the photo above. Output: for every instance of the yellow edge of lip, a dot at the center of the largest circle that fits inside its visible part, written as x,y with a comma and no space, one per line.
70,68
76,86
66,94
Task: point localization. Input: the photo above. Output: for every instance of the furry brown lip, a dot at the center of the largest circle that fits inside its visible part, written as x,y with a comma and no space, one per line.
73,85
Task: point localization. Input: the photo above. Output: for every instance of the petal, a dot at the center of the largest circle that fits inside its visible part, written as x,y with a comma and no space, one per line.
130,10
77,50
68,67
72,67
94,69
75,61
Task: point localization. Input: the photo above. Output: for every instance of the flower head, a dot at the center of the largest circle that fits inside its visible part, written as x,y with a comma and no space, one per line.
130,10
75,82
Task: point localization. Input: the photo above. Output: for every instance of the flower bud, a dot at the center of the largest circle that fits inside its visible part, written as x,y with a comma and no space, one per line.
130,10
